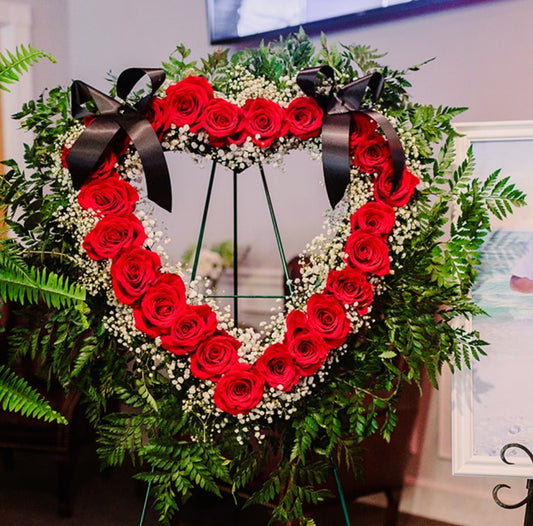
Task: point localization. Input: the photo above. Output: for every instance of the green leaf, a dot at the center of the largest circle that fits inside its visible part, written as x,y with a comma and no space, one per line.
17,396
386,355
13,65
22,284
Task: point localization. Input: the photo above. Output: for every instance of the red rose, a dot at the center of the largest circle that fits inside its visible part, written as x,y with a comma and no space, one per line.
187,99
350,286
103,170
277,366
239,390
362,128
64,152
194,324
375,217
264,121
88,120
296,322
373,154
108,196
222,121
215,357
327,316
112,234
367,252
134,272
304,116
404,192
308,350
106,168
158,114
160,306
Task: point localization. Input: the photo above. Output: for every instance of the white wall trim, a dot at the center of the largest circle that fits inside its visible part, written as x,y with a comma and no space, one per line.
15,30
495,130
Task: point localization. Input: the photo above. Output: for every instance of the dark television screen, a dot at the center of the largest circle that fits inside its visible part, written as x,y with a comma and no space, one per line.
232,20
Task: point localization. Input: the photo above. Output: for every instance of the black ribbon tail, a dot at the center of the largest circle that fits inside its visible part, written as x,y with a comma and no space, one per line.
157,176
395,145
87,152
336,155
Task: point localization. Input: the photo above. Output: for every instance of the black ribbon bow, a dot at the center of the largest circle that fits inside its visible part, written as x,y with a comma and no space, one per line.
338,107
113,121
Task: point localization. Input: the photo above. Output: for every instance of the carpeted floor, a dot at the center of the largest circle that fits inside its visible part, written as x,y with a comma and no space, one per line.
27,498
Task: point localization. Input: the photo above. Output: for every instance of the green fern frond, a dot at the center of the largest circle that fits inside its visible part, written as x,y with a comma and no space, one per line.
87,352
501,196
21,284
122,435
462,176
16,395
13,65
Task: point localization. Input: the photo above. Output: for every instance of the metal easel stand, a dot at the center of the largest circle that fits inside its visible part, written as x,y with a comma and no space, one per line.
526,501
236,296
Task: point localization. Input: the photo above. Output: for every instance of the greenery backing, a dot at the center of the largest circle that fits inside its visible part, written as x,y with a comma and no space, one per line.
21,283
416,318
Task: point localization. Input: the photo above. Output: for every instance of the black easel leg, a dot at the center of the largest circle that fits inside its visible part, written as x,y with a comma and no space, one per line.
393,506
528,519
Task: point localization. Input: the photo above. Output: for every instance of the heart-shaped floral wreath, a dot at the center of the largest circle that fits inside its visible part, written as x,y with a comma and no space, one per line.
213,402
237,370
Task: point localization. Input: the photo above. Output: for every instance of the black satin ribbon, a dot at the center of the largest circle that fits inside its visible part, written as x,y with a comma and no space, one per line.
338,107
113,122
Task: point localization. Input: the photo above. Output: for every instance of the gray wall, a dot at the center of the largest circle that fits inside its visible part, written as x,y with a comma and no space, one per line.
483,51
49,32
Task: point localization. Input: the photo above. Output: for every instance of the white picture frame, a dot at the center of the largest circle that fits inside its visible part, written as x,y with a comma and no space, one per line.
486,399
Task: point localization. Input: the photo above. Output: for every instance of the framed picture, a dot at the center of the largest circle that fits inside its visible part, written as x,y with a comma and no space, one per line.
231,20
491,402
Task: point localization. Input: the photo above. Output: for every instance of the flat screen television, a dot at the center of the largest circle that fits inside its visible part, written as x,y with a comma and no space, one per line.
233,20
